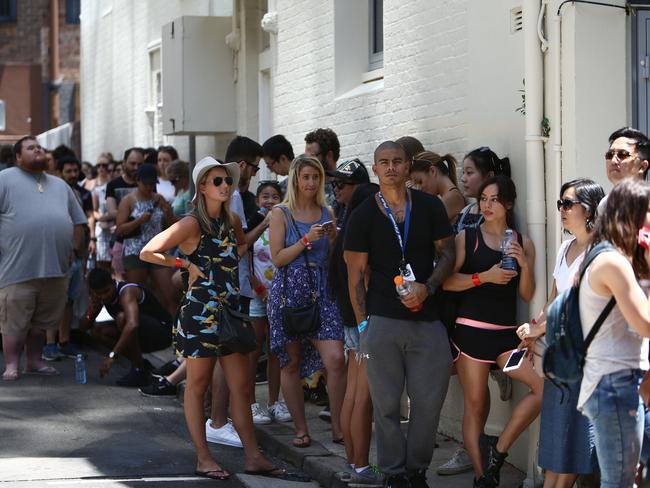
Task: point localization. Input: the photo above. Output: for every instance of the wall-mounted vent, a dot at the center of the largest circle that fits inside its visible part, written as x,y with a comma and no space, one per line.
516,20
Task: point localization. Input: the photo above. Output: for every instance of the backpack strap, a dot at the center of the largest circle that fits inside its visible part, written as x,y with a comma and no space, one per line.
593,253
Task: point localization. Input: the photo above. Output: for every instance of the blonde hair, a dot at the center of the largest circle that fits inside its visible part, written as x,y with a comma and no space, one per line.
303,161
201,208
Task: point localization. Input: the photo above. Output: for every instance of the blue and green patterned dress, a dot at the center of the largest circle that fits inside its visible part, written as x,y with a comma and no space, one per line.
197,328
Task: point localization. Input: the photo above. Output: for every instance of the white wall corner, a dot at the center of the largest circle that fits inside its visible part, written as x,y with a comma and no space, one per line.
270,22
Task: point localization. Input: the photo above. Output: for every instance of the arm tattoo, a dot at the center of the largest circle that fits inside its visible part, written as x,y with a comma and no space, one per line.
360,295
446,254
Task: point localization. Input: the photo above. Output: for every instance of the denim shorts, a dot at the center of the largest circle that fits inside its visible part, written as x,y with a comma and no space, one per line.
351,339
257,308
616,412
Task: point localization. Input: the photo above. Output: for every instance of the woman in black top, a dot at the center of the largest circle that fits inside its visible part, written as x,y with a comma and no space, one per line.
485,332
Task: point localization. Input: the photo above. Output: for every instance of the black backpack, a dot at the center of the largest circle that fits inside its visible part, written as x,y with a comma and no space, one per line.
566,348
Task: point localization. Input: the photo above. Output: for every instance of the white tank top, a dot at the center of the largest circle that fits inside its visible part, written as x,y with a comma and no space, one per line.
616,346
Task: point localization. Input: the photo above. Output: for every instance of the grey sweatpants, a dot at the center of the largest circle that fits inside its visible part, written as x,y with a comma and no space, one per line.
418,353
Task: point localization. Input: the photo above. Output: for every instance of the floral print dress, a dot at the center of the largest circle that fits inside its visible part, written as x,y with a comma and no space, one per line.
197,328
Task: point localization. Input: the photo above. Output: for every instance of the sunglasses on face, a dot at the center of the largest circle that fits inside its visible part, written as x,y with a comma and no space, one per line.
102,165
566,204
338,185
218,180
255,167
621,154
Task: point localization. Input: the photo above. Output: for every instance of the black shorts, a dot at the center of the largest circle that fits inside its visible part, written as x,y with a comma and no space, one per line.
483,345
153,334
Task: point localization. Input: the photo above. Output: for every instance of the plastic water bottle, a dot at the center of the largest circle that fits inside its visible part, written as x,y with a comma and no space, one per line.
507,262
80,370
403,288
263,211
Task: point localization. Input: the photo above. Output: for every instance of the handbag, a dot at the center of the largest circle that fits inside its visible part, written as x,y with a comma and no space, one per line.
306,318
235,331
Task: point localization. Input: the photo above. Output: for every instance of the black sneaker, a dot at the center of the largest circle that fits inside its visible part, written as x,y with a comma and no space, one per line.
397,481
494,463
325,414
318,395
135,377
484,441
162,387
261,379
165,370
418,479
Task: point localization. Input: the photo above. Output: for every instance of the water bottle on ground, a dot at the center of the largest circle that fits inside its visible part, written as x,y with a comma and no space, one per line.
80,370
403,288
507,262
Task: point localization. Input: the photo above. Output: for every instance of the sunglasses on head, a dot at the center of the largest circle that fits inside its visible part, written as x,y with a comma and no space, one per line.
621,154
566,204
218,180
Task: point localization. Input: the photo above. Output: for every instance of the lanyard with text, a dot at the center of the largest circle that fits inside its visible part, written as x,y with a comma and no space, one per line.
403,268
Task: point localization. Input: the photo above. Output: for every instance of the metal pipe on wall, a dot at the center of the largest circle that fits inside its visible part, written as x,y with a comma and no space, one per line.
55,81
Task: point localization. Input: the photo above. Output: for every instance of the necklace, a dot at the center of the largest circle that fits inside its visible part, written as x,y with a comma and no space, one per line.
38,179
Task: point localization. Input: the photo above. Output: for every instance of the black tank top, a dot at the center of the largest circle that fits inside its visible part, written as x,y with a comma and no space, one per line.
489,303
147,303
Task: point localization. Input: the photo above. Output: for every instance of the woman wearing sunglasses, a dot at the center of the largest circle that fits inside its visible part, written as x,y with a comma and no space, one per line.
213,240
103,222
301,231
566,446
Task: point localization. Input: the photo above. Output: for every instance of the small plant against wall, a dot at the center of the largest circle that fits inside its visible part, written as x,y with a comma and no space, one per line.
545,124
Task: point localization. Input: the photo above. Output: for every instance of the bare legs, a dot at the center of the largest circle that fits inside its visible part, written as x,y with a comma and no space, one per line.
199,373
559,480
356,413
12,348
473,376
220,397
292,389
261,325
331,352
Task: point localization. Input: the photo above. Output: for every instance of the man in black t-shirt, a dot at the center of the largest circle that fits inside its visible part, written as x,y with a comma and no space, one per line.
401,232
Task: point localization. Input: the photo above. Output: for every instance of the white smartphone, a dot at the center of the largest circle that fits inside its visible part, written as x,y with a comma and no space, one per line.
327,224
515,359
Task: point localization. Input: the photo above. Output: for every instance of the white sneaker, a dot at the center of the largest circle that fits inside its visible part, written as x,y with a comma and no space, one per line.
260,416
458,463
226,435
279,412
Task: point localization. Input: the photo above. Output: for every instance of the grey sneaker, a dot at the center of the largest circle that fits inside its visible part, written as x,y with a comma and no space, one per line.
458,463
367,477
505,384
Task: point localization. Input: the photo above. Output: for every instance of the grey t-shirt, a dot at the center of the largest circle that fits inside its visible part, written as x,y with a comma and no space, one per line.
245,289
36,229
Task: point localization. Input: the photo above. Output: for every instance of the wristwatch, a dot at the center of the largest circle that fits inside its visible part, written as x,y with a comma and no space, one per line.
112,355
431,290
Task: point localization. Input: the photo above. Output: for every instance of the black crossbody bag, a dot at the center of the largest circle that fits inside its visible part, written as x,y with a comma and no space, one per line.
305,319
235,331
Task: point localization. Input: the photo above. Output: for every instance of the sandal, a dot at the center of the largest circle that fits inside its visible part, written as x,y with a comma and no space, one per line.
214,474
10,375
43,371
340,441
302,441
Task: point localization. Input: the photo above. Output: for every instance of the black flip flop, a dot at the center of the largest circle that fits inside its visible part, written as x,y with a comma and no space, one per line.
279,474
212,474
339,441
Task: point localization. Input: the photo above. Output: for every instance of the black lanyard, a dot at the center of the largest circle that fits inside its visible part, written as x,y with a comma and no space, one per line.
402,241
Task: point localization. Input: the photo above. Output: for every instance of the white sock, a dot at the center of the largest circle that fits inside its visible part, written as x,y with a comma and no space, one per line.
351,465
359,470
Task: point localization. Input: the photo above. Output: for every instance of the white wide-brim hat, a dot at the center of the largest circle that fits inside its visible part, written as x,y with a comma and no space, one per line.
206,164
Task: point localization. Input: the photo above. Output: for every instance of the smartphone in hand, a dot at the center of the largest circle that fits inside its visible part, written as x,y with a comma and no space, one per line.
327,225
516,358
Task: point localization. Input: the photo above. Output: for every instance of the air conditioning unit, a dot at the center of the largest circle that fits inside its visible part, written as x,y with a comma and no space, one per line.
198,89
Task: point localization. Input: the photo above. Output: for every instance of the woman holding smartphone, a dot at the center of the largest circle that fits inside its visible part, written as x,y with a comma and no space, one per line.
615,372
566,446
301,231
484,334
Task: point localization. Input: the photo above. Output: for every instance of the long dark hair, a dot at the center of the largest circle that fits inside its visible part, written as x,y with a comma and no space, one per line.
486,161
338,277
623,216
506,196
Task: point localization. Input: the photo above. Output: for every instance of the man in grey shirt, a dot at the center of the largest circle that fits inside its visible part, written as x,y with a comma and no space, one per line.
41,226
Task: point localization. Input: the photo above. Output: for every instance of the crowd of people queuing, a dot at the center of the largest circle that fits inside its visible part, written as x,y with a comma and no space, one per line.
312,262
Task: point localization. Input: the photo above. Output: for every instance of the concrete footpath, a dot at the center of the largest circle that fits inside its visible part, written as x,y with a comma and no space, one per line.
55,432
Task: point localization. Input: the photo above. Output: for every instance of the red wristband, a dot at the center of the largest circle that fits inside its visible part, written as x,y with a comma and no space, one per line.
476,280
306,242
179,263
260,289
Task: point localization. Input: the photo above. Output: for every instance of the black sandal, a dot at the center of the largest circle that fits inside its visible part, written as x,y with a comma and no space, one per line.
213,474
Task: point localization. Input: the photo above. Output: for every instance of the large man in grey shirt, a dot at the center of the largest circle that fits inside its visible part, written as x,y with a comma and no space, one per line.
41,226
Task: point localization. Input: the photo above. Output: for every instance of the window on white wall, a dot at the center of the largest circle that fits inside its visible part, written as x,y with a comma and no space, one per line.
154,109
376,29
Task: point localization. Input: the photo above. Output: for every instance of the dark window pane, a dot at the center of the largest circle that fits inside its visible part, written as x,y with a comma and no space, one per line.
378,30
7,11
72,11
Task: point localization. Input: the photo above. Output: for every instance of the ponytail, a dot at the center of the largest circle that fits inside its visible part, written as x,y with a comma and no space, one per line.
486,161
445,164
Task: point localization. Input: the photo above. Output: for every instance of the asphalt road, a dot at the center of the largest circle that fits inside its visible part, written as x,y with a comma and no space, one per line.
55,432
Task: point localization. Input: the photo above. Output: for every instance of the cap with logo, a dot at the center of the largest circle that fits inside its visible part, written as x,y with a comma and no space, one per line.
353,171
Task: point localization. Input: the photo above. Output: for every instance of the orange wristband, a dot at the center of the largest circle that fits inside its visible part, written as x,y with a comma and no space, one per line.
179,263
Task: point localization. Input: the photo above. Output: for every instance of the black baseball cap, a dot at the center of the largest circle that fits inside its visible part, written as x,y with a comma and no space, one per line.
147,173
352,170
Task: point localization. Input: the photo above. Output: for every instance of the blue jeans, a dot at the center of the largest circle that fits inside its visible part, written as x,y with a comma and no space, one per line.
616,412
